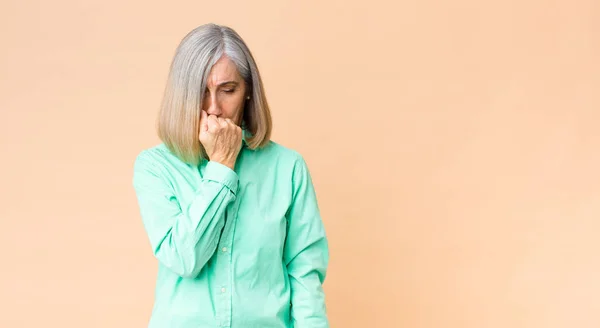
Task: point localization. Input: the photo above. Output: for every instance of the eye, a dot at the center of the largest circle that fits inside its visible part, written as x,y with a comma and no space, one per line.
229,90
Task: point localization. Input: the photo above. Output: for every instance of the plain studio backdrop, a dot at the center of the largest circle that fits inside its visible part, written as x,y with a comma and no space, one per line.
454,148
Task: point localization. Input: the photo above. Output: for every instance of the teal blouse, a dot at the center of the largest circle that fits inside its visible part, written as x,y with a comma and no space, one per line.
242,248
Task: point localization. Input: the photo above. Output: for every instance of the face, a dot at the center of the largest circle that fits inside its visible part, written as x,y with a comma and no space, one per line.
225,92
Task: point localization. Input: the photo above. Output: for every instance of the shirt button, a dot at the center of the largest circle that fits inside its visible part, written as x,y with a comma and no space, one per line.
223,290
224,249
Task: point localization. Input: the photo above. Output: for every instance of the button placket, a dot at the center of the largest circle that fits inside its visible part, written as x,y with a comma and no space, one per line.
225,247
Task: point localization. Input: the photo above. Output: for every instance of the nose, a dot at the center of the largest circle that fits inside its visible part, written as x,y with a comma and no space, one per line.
211,104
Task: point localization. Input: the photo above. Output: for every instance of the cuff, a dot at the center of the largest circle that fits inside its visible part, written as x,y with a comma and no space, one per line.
218,172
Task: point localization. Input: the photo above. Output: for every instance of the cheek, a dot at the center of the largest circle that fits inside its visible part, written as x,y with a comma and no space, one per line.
233,106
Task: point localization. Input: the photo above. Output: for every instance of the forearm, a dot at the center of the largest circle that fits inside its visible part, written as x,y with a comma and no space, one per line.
184,239
194,236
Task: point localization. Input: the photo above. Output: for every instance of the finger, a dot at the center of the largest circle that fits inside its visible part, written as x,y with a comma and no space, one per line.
222,122
213,119
213,123
203,121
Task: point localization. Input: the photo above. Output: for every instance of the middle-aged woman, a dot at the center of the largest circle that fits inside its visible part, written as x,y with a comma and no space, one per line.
231,216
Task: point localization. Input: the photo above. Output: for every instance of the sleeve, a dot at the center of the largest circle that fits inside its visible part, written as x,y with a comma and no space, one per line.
183,239
306,253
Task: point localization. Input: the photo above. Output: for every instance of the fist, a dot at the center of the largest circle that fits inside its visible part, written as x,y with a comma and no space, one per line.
221,138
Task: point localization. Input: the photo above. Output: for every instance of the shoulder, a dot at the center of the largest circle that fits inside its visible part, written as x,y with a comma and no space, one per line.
288,161
148,156
282,154
155,159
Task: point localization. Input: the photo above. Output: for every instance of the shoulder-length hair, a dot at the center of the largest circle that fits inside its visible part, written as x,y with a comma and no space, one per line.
178,123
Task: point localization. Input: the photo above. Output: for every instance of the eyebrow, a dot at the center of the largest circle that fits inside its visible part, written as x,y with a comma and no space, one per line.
227,82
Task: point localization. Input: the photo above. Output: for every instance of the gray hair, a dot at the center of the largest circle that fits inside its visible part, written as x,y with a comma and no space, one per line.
179,116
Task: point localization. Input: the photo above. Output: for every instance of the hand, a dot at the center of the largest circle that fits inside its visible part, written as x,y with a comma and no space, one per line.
221,138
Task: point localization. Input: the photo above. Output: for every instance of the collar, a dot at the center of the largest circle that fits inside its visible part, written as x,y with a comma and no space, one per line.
245,135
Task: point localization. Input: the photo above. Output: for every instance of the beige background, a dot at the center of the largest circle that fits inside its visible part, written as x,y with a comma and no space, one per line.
454,147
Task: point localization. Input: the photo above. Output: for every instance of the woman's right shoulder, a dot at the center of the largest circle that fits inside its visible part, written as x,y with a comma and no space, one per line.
151,158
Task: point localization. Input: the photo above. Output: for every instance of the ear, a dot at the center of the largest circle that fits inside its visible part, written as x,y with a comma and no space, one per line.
248,94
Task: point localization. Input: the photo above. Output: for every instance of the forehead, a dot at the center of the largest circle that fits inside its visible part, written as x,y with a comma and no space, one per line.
223,70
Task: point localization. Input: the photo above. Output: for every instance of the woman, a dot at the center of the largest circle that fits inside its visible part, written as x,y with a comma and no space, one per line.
231,216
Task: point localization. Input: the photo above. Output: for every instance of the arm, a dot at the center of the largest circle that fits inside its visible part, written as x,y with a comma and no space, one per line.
306,253
183,239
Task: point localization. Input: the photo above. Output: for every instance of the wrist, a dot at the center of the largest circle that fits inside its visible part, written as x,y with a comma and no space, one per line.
230,164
